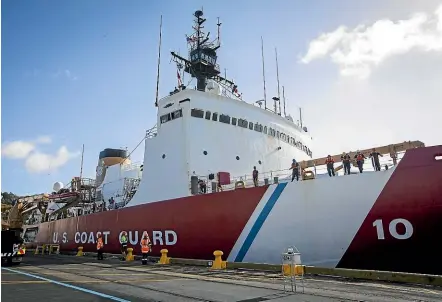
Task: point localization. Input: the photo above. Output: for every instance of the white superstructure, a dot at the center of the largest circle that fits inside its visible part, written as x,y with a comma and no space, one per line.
200,133
203,131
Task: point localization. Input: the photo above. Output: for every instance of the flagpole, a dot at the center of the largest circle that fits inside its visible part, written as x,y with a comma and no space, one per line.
159,61
81,168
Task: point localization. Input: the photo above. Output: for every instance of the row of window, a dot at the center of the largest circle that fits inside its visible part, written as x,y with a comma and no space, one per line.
171,116
223,118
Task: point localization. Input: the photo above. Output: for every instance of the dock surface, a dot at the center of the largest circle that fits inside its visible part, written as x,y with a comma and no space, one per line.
69,278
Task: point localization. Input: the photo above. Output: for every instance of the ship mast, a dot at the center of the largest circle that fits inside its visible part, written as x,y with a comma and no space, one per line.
201,63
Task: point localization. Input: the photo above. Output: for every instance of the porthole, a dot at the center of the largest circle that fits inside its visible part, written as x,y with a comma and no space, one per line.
259,162
205,152
237,157
164,156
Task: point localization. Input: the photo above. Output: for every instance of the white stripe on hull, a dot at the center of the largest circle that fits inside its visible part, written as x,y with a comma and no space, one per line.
240,241
319,217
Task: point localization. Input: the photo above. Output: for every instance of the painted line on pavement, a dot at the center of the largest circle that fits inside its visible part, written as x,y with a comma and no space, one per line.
67,285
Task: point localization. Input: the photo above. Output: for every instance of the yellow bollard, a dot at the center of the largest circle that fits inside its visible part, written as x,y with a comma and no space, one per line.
164,259
129,255
290,271
218,263
80,251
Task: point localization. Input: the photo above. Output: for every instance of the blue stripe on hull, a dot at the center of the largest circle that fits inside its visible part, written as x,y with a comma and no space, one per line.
259,222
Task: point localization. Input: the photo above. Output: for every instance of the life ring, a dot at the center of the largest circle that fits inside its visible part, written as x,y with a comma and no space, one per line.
239,184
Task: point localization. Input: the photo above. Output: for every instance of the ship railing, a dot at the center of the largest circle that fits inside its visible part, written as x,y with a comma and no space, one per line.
284,175
152,132
131,166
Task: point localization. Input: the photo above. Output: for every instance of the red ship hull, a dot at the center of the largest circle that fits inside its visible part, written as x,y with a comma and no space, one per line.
388,220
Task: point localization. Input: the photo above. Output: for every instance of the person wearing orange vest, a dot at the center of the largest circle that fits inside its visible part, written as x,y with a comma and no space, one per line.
100,246
360,160
345,157
295,168
330,165
145,248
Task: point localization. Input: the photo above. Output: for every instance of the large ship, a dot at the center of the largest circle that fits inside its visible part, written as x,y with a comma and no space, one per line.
194,193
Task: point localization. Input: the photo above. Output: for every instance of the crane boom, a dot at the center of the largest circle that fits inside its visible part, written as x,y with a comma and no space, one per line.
392,150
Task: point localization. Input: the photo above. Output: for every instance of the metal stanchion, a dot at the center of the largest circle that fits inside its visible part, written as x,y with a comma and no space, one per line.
292,270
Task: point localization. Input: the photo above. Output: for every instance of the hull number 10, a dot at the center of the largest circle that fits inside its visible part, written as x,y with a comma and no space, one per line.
392,229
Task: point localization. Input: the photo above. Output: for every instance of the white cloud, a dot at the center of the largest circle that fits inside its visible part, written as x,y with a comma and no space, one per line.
21,149
400,101
43,140
37,161
17,149
66,73
359,50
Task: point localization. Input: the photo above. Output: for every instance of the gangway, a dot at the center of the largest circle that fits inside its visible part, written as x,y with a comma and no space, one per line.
392,150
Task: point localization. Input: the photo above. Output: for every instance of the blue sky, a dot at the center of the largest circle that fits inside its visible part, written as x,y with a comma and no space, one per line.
84,72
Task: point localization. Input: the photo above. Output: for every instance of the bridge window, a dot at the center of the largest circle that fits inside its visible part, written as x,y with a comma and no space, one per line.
265,130
224,119
197,113
250,125
165,118
242,123
292,141
215,116
234,121
208,113
177,114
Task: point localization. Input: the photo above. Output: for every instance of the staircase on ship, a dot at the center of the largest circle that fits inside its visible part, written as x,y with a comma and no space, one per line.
80,194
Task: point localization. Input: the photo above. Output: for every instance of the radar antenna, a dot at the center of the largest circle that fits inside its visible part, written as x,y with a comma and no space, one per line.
201,63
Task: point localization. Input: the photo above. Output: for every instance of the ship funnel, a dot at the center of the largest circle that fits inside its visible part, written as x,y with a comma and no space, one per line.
109,157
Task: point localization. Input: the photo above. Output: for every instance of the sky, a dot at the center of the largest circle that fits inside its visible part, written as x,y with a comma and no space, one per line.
84,72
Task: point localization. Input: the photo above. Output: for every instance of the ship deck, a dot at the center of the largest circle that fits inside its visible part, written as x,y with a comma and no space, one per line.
68,278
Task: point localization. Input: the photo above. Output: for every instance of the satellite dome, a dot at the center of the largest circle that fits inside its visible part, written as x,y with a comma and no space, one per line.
57,186
213,87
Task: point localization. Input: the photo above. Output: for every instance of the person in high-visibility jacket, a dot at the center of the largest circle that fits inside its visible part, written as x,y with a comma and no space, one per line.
145,248
360,160
123,241
100,246
330,165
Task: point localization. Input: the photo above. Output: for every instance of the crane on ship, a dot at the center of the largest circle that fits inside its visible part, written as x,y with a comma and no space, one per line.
201,63
393,150
18,213
38,208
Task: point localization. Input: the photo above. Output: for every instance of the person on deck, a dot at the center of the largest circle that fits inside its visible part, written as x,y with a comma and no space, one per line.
100,247
295,168
255,176
330,165
203,187
345,157
360,160
123,241
374,155
145,248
